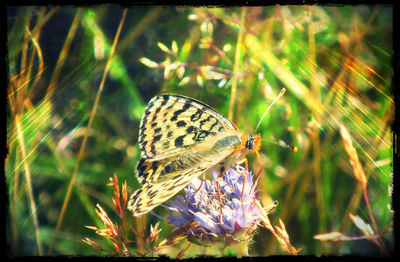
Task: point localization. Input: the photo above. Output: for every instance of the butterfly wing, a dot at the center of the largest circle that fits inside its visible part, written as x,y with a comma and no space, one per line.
169,176
172,124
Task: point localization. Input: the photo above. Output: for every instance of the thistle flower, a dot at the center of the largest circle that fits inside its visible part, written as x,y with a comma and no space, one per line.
197,214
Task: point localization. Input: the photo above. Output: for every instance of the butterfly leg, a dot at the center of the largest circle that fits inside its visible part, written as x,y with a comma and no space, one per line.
244,180
244,175
202,180
247,169
246,164
219,197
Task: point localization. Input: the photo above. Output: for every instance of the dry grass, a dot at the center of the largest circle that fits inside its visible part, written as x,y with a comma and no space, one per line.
76,92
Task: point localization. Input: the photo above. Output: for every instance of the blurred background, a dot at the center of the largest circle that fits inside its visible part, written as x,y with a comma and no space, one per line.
73,116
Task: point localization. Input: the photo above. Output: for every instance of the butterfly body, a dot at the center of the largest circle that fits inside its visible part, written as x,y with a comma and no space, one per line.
181,138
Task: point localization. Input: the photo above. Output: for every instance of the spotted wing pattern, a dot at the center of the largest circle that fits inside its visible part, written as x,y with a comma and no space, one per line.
171,175
180,138
172,125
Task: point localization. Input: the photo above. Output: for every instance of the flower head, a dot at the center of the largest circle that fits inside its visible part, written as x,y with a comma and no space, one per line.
197,214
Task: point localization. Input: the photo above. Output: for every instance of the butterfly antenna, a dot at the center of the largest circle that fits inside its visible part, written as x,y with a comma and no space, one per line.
282,144
281,93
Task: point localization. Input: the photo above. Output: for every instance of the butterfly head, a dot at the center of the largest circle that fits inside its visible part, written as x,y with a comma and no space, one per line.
253,142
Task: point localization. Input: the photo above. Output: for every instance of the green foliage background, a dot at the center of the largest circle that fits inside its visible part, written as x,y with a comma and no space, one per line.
334,61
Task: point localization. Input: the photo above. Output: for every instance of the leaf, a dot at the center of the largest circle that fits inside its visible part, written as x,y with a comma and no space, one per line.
333,236
184,81
148,62
364,227
164,47
174,47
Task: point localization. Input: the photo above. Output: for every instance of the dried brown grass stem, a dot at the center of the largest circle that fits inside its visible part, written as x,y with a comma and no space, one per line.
83,145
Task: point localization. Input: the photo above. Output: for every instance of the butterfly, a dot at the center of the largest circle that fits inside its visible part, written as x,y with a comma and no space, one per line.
181,138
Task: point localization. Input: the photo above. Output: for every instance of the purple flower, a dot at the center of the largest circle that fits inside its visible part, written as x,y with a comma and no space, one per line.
197,214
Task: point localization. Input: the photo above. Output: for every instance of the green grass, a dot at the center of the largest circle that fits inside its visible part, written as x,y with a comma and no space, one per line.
334,61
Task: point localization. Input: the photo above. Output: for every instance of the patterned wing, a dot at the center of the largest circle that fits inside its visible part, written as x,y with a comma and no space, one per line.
172,124
168,176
